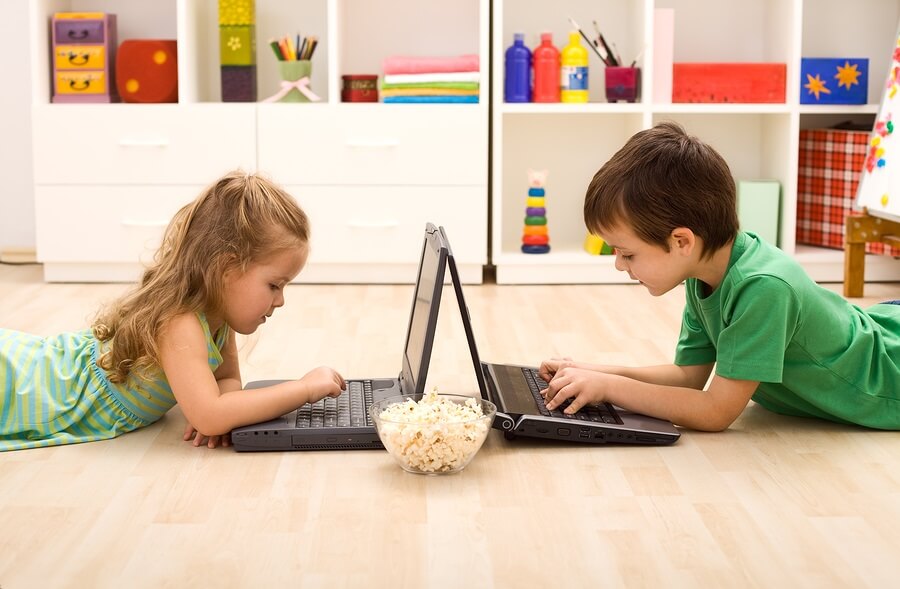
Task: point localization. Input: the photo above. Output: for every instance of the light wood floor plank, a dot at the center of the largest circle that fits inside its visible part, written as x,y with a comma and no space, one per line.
773,502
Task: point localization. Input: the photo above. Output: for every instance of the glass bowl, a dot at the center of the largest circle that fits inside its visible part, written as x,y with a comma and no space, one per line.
433,433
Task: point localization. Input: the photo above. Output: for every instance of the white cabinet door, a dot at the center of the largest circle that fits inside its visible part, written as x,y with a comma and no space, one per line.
86,224
142,143
352,225
374,144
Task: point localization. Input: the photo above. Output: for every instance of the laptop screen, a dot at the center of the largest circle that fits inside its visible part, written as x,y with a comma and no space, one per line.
466,320
423,317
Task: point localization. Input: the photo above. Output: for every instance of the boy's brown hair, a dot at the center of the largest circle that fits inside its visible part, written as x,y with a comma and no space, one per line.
662,179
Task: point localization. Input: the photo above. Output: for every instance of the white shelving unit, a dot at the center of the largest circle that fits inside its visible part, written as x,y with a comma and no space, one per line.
758,140
108,177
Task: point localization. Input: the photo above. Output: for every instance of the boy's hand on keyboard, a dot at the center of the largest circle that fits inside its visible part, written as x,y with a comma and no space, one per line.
323,382
550,367
583,386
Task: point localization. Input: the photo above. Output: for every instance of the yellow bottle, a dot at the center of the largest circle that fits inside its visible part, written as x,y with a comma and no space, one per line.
573,81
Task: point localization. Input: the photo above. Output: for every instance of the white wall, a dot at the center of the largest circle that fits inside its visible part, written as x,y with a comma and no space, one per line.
16,192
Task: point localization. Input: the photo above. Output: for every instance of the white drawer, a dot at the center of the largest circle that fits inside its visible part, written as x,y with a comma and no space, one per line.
141,143
408,144
353,225
105,223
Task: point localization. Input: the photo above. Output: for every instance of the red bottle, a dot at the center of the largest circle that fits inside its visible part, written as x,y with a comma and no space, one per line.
546,70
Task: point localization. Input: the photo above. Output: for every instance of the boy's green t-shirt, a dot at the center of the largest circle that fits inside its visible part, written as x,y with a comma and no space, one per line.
814,353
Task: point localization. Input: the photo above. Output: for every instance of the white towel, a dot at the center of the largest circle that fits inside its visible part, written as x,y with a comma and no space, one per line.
444,77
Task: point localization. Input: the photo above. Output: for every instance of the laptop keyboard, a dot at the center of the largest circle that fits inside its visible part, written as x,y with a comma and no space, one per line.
349,409
604,412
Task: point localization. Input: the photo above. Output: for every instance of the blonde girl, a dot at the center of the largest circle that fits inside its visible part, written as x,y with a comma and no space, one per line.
223,265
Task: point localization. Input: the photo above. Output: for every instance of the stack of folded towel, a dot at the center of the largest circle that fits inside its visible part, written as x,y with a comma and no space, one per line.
431,79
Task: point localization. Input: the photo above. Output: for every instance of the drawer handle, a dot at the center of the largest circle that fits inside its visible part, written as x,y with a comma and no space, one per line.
373,143
131,223
387,224
144,142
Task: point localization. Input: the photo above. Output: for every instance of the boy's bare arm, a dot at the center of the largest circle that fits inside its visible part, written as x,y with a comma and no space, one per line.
694,377
713,409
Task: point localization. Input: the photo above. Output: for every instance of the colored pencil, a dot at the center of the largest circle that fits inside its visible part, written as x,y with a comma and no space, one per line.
274,45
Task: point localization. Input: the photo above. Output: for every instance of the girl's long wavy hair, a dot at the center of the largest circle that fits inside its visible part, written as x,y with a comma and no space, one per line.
239,219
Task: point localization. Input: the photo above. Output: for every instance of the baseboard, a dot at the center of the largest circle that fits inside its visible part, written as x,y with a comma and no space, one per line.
18,255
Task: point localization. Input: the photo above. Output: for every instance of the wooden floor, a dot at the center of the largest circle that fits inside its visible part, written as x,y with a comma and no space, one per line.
772,502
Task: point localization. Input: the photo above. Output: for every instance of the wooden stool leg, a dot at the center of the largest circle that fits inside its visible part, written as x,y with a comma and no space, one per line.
854,269
859,230
856,233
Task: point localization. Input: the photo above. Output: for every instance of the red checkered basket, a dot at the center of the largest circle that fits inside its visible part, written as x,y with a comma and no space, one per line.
831,161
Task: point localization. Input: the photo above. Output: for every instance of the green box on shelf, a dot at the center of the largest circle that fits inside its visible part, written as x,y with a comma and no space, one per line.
237,45
759,207
237,12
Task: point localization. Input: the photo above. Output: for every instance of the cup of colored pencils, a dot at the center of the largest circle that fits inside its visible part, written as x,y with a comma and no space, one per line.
294,56
287,49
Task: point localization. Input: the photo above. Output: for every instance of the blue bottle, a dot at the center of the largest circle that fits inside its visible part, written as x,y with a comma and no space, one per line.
517,73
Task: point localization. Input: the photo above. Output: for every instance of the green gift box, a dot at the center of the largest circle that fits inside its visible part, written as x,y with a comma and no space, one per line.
237,45
237,12
759,207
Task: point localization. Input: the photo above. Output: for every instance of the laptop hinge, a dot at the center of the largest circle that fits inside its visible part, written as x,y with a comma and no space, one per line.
504,422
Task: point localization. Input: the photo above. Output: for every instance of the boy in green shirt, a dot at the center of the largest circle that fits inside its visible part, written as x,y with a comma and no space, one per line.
666,203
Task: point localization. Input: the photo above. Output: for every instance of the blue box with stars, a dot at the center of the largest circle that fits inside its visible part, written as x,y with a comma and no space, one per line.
824,80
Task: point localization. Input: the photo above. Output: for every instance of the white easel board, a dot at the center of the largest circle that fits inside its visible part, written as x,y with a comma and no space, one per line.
879,185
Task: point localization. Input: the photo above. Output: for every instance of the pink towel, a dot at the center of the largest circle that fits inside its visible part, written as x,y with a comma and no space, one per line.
422,65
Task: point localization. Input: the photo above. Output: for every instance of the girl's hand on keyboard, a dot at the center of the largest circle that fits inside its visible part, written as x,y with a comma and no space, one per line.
323,382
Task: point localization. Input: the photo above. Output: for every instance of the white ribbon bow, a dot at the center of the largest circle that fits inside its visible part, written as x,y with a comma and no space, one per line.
302,85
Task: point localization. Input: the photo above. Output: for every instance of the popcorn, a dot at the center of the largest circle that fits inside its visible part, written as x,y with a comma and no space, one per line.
434,434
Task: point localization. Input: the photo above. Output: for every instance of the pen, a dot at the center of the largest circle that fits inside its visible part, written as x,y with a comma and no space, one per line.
591,45
612,57
617,54
639,55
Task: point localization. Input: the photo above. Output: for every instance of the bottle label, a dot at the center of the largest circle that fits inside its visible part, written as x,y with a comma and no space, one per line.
573,77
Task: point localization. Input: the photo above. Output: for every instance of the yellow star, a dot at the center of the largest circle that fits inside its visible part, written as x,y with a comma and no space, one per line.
847,75
816,85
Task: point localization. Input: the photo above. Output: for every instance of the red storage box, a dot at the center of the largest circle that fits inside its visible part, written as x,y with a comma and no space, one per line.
729,82
359,88
831,162
147,70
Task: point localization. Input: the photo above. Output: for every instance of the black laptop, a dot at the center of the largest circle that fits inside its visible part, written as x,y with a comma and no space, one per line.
344,423
521,411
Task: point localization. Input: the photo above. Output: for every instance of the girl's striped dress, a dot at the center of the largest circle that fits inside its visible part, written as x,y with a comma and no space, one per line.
53,392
